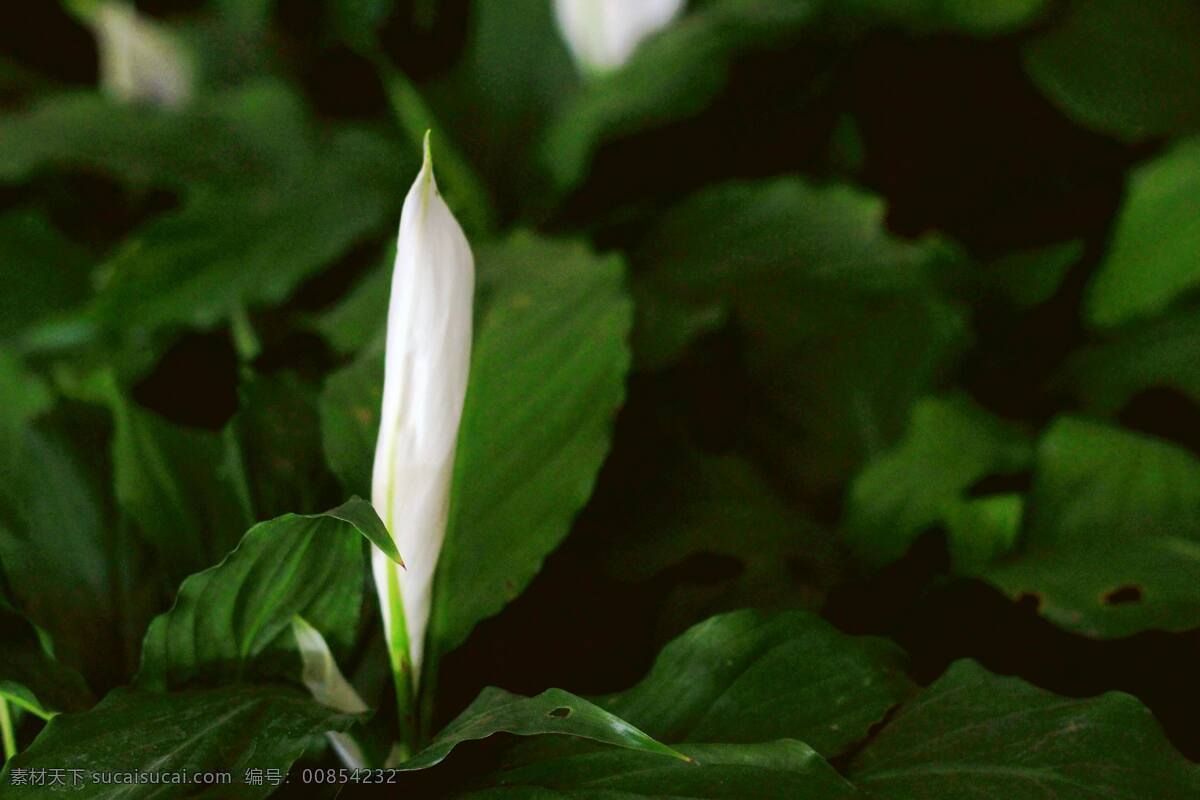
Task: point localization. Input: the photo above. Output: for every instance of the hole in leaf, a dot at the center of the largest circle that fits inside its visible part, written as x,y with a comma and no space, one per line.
562,712
1122,595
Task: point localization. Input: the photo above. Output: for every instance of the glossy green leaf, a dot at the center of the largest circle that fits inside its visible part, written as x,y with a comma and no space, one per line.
671,76
536,424
782,770
972,735
235,618
278,433
980,17
463,191
40,270
1112,545
1127,68
221,732
66,563
350,406
747,677
513,72
982,530
950,444
357,21
1154,256
359,319
251,246
551,712
219,141
1158,354
693,504
845,323
23,395
185,489
31,678
1031,277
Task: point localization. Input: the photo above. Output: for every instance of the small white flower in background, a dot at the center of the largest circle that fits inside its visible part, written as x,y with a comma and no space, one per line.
140,62
425,382
602,34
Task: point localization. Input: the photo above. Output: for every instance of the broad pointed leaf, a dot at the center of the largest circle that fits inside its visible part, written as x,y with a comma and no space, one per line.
235,618
552,711
972,735
219,732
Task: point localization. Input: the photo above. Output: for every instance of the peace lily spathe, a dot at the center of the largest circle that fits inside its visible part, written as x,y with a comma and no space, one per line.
602,34
425,382
139,61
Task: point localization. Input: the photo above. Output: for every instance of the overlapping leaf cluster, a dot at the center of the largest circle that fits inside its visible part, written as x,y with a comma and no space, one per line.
734,365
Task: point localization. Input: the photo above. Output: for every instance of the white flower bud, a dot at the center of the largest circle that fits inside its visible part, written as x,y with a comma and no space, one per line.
602,34
425,382
139,61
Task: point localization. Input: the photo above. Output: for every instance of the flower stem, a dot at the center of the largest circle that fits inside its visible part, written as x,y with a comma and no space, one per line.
6,731
402,672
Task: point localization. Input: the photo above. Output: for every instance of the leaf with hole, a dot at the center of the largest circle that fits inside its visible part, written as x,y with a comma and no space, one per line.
1112,544
551,712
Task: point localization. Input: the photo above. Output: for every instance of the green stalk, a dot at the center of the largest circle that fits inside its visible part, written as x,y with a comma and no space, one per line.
402,672
462,188
6,731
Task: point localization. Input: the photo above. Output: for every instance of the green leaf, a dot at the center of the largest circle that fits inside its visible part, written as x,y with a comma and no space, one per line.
950,444
30,677
41,271
70,570
356,21
513,72
672,75
692,503
1161,353
350,406
23,395
252,245
783,770
184,489
359,320
1155,252
464,193
1113,539
979,17
278,432
224,731
1126,68
552,711
1031,277
972,734
235,618
548,368
983,530
846,325
220,141
536,423
746,677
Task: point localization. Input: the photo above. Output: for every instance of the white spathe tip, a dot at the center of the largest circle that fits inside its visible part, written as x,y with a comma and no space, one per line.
140,62
602,34
426,366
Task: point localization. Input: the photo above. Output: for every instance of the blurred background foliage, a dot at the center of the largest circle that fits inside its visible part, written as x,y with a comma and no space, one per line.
915,334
